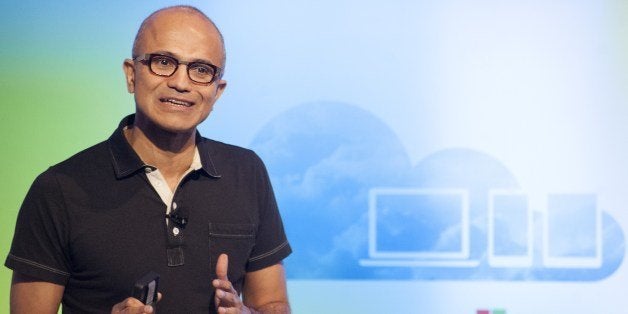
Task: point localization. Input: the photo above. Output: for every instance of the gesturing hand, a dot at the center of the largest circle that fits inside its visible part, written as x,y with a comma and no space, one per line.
226,298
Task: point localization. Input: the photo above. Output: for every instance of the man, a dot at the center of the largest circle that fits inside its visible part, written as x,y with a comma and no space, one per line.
155,196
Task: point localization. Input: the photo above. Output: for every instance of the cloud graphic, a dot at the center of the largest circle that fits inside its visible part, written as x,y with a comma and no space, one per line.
328,160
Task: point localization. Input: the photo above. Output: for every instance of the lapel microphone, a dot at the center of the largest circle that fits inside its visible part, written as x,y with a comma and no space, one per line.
178,218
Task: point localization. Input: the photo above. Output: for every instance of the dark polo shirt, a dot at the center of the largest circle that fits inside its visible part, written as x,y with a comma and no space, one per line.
94,224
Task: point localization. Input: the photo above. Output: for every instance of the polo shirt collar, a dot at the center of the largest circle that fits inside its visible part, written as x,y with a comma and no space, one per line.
126,161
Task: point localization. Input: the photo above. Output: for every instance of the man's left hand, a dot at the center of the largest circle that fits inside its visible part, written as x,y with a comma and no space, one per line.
226,297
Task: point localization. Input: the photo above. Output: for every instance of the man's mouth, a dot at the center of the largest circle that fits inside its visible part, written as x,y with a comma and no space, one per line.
177,102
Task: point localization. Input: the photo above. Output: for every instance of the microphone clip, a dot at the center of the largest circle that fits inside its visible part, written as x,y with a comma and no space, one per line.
177,219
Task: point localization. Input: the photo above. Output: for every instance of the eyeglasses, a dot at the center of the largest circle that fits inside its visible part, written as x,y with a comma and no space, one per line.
162,65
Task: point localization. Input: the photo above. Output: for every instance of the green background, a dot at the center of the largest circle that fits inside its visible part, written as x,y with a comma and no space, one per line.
62,91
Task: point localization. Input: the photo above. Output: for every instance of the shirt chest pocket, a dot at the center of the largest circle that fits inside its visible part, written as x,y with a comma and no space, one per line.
235,240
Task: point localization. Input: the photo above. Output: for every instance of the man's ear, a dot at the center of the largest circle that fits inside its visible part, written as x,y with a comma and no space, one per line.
129,73
220,87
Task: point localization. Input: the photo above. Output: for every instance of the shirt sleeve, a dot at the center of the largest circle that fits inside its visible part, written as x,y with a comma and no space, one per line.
39,248
271,243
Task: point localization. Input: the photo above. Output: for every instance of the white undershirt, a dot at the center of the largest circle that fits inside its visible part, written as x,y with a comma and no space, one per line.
160,184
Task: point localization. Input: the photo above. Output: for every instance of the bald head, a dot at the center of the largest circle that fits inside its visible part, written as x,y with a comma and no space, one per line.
183,10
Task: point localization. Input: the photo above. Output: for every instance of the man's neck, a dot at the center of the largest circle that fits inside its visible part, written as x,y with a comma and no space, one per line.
171,153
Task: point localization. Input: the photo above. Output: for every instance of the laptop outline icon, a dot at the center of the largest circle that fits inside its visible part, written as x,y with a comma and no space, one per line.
379,257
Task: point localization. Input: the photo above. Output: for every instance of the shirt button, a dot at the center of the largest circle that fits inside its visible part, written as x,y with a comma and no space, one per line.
174,205
148,169
175,231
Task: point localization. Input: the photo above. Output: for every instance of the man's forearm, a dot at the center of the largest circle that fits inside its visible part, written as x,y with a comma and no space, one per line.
273,308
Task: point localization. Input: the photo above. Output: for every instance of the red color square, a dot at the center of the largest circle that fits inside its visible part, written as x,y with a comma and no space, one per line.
483,312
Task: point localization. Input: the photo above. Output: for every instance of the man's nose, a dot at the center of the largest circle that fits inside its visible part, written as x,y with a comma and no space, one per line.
180,80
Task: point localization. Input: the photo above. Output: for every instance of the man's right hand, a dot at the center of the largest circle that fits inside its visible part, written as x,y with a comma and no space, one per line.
133,306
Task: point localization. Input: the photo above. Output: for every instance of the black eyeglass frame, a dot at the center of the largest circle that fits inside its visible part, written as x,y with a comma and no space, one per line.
146,60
